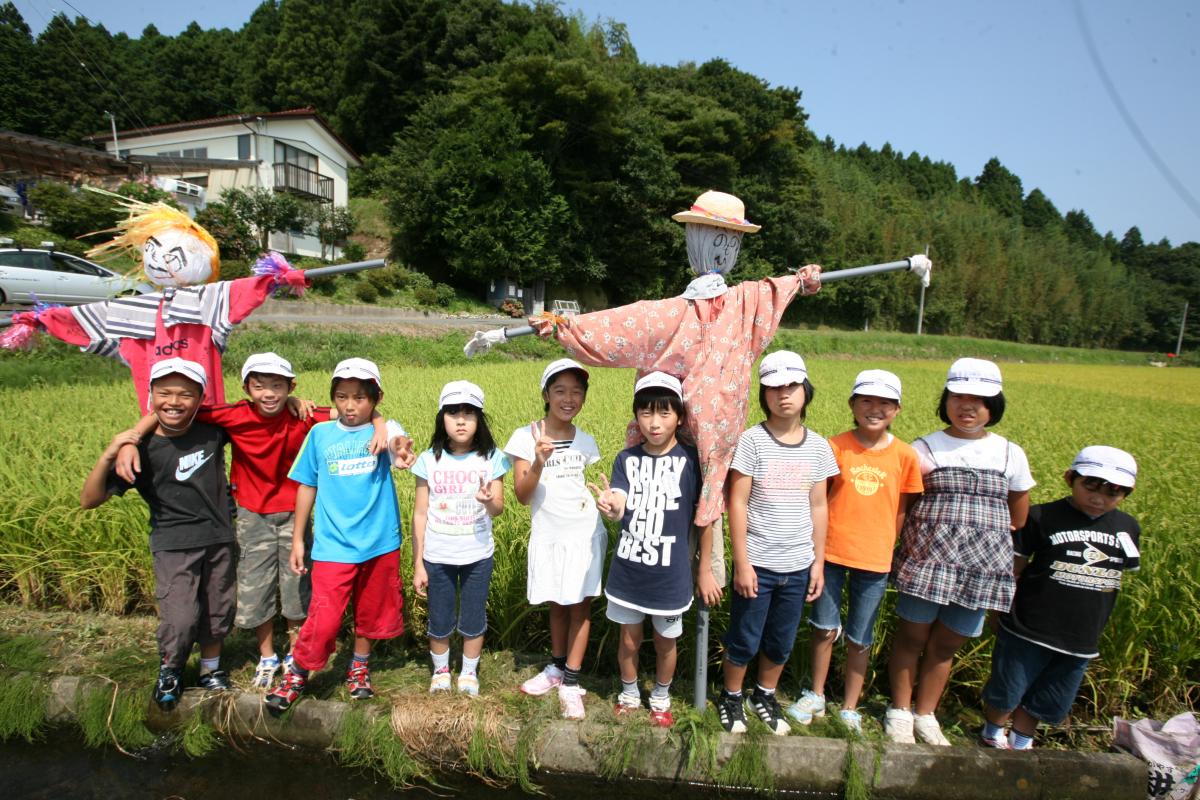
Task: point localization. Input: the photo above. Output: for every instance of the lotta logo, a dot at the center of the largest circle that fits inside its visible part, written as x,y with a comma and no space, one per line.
867,479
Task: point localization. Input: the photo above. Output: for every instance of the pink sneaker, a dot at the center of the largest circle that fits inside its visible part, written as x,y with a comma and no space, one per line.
570,700
549,678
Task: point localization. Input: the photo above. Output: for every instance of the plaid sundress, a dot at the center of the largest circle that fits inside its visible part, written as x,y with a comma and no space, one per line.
956,545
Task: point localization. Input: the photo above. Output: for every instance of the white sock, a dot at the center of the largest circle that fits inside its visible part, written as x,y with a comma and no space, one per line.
210,664
269,659
441,661
470,665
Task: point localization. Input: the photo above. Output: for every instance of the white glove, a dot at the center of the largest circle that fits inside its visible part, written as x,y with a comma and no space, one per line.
482,341
922,266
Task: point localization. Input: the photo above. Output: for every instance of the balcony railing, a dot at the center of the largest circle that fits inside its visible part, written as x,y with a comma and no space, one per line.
305,182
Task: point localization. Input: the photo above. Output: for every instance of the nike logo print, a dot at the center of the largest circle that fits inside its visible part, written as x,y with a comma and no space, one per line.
190,463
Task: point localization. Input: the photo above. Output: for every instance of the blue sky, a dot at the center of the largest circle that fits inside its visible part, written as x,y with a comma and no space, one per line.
957,81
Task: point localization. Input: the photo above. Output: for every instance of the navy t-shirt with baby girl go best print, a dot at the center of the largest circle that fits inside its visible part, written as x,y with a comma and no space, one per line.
651,568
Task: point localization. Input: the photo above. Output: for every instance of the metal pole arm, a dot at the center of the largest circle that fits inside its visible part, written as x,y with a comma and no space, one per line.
338,269
859,272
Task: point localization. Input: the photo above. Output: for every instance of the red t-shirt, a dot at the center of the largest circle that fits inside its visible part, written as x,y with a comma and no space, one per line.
264,449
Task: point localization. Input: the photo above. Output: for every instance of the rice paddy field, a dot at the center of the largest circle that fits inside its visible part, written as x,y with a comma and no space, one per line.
61,409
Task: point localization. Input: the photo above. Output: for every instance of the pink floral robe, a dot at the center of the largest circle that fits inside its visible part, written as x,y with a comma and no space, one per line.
710,345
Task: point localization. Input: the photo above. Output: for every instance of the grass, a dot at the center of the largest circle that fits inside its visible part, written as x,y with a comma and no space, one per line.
94,567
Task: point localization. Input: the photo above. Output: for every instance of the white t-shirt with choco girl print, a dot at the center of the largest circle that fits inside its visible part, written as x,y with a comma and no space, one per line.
458,529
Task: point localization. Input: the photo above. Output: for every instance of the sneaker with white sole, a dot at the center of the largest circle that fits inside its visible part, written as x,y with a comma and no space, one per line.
660,711
765,706
627,704
264,673
468,683
898,725
440,681
570,701
811,702
549,678
928,730
730,712
851,719
998,743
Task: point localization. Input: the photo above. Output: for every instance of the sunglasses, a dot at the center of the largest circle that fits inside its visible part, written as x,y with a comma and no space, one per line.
1103,486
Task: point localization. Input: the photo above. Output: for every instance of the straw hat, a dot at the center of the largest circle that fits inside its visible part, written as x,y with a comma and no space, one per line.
720,210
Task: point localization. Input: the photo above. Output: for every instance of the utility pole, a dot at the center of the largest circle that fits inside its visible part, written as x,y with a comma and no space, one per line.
1182,322
921,308
112,118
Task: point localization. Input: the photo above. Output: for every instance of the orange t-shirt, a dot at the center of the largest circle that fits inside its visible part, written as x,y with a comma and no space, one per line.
864,500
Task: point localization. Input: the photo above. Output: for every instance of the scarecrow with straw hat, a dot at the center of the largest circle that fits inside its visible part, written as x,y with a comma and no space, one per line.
191,317
709,337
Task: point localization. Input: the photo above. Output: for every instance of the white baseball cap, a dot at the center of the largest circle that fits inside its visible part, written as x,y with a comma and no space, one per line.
457,393
781,368
359,368
267,364
877,383
659,380
561,365
179,366
974,376
1107,463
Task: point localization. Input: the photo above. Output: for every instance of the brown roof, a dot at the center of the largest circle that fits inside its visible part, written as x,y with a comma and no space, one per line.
228,119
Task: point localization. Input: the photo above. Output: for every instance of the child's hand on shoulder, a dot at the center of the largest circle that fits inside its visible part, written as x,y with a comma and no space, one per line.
121,442
609,503
543,445
301,408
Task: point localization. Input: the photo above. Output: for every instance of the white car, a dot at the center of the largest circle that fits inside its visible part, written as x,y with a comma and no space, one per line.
56,277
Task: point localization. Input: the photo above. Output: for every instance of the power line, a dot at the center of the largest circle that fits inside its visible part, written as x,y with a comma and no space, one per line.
1128,118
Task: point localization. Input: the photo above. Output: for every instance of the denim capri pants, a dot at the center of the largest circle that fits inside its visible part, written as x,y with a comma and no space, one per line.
768,621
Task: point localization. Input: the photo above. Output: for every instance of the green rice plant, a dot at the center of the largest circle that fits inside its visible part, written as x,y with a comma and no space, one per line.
198,738
23,699
697,734
622,746
366,741
23,653
747,767
106,714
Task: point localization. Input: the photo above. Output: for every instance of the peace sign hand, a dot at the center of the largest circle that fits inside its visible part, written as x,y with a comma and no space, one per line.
484,495
611,504
543,445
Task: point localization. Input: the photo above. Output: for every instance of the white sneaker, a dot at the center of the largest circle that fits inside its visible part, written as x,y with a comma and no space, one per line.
928,730
549,678
570,700
811,702
851,719
898,725
264,673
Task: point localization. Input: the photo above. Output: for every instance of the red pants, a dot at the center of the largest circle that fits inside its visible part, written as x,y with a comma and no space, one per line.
375,588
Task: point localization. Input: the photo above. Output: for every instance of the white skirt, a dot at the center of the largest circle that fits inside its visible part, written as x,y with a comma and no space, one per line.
565,569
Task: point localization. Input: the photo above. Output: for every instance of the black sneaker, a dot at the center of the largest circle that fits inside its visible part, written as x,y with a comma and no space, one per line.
729,710
167,690
766,707
215,681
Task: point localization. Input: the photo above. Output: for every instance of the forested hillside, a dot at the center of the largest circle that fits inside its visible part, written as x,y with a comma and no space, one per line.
513,139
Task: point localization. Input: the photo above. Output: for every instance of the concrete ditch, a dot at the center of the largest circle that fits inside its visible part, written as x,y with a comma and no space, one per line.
567,752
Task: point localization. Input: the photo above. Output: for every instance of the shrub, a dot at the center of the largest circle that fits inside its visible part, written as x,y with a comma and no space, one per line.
366,291
512,307
379,278
426,295
353,251
445,294
233,235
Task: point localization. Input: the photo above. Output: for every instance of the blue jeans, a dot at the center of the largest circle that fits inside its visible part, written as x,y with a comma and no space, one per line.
468,585
866,593
966,622
768,621
1042,681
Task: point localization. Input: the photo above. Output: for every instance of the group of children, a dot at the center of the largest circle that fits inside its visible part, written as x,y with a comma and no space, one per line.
807,518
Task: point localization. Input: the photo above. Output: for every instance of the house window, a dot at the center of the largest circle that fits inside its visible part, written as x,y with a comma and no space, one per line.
286,154
194,152
244,147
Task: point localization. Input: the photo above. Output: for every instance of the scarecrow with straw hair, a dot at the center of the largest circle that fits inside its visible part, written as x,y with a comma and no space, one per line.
709,337
191,317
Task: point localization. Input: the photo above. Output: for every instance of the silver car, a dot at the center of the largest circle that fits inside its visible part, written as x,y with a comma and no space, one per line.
59,278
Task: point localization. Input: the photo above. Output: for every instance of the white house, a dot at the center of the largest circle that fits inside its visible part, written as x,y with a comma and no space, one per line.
287,151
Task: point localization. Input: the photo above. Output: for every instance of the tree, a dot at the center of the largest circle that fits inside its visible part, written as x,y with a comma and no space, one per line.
234,236
264,211
332,225
1038,212
1000,188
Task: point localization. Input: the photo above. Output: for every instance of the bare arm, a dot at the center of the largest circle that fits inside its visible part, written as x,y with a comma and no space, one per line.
745,580
706,583
95,490
820,522
527,474
420,516
306,497
129,459
1018,508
